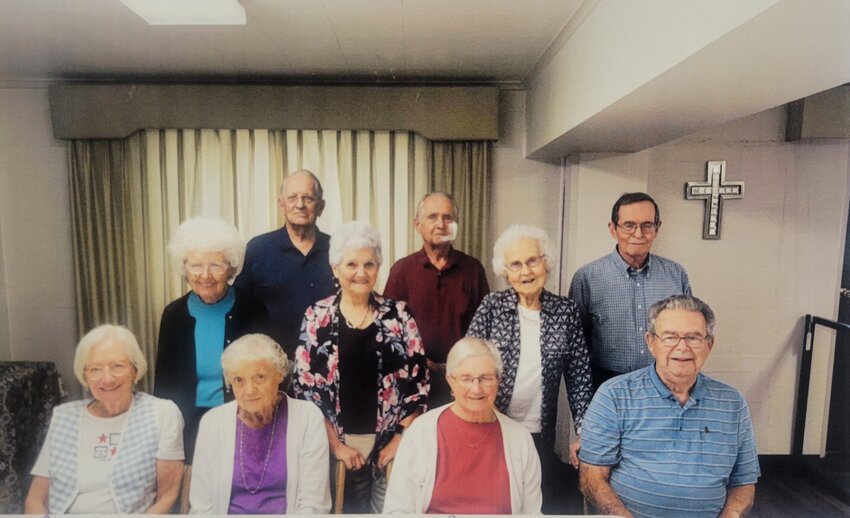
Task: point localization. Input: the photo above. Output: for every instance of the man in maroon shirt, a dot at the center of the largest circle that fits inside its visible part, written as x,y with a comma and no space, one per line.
443,286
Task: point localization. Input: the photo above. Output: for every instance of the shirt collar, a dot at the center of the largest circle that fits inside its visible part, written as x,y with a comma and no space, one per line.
322,241
696,394
622,266
422,258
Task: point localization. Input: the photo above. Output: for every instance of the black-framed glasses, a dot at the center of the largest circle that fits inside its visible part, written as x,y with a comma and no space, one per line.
692,341
630,227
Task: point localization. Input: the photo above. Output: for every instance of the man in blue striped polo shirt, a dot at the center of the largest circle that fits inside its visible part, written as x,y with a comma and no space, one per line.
614,292
666,440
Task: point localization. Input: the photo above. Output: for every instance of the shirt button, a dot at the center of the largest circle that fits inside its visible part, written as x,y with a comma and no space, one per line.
228,341
638,285
639,306
640,329
229,317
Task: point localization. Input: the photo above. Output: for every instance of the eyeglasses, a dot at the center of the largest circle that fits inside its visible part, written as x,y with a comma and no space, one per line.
631,227
531,262
692,341
117,370
306,199
213,268
486,381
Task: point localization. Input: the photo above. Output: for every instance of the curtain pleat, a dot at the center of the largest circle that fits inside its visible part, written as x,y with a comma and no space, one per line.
129,196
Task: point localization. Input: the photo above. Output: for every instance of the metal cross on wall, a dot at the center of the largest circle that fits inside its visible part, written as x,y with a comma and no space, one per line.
713,191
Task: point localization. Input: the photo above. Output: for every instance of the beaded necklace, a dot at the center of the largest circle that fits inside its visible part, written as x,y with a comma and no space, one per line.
268,453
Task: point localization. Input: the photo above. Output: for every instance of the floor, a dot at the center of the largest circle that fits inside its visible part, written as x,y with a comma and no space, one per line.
786,489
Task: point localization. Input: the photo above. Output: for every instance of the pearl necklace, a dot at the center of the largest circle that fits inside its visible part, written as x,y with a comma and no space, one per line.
268,453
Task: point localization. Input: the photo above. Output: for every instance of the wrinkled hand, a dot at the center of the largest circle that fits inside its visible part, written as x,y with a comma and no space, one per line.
574,448
351,457
387,454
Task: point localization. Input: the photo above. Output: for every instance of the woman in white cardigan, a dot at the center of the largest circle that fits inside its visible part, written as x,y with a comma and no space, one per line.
466,457
263,453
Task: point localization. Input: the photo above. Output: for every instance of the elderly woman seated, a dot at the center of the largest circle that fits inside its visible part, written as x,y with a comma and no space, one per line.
466,457
196,327
361,361
263,453
540,338
119,452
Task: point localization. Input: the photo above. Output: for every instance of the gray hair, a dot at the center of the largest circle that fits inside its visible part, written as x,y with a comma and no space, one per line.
254,347
421,206
203,234
318,192
351,236
687,303
470,346
515,233
106,333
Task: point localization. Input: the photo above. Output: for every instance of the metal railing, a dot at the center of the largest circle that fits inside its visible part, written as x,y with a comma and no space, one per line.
806,375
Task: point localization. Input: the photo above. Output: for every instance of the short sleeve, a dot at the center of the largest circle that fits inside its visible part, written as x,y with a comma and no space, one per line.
170,423
600,432
40,469
746,469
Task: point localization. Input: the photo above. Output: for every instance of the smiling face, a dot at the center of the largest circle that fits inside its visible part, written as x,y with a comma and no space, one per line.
634,248
255,386
434,223
207,274
528,281
110,374
357,272
298,201
679,365
475,399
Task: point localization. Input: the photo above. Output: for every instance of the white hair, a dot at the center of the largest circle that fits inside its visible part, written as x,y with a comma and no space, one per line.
352,236
470,346
515,233
106,333
254,347
204,234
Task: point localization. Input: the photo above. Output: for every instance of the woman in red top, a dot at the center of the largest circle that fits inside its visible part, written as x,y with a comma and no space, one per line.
466,457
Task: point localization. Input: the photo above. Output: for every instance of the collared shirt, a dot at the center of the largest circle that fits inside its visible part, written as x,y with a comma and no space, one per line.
286,281
614,300
669,459
442,301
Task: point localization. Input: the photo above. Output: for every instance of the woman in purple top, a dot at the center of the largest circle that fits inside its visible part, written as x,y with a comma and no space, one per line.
263,453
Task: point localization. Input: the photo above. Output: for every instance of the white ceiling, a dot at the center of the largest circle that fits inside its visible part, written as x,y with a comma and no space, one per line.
372,41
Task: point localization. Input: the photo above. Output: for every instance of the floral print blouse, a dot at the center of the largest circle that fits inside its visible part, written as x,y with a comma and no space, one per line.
402,384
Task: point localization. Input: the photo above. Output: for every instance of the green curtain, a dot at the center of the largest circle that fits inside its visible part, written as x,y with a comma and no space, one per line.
129,195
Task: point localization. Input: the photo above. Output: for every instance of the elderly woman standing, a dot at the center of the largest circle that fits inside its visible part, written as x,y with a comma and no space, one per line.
263,453
198,326
361,361
466,457
540,338
119,452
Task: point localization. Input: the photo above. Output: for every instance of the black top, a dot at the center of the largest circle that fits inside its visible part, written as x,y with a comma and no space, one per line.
358,378
175,377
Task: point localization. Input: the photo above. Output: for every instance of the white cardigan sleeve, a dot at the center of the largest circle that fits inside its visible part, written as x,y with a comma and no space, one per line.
307,487
212,467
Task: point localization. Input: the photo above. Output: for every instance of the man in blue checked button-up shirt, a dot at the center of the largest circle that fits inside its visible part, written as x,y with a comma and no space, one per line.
614,292
667,440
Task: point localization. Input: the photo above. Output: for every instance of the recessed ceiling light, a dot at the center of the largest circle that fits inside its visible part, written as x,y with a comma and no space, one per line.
188,12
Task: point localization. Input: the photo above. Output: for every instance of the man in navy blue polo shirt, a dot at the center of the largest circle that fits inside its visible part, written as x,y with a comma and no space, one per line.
288,269
666,440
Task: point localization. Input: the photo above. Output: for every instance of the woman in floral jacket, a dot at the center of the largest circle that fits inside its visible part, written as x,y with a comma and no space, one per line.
361,361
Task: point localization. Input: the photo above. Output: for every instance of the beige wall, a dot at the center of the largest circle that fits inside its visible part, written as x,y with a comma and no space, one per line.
779,258
522,191
35,230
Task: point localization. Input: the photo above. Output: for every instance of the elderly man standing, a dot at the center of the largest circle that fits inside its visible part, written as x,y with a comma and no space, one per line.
442,286
667,440
614,291
288,269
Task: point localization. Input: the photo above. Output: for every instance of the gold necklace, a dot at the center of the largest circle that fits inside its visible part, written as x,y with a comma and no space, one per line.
362,320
